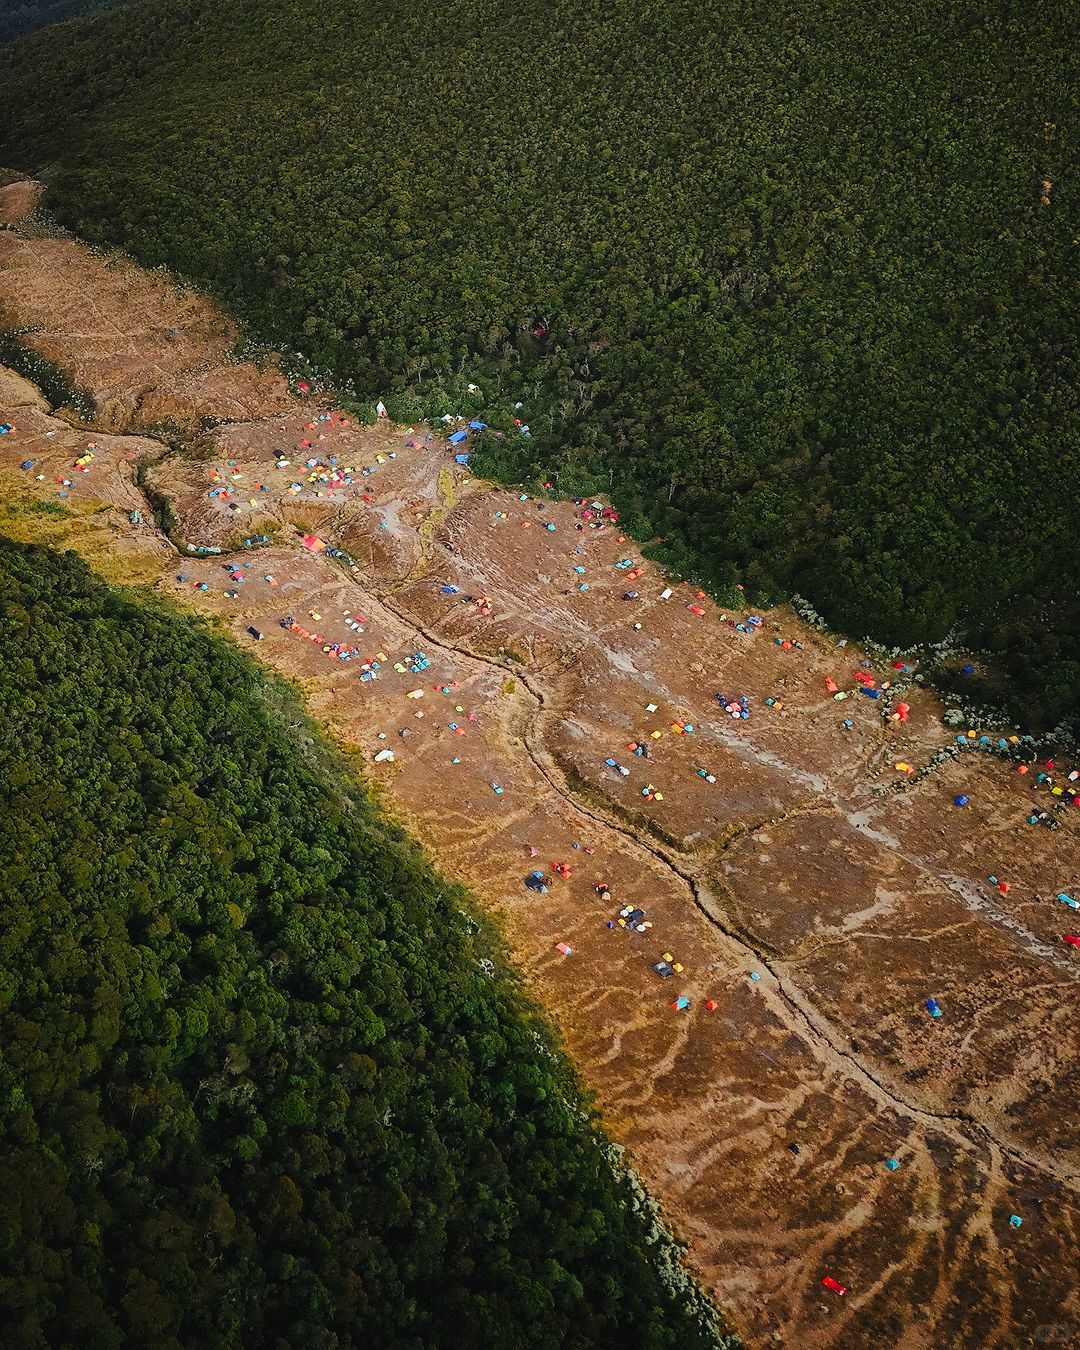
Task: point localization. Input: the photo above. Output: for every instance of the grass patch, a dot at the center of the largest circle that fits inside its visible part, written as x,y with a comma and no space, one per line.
447,490
83,526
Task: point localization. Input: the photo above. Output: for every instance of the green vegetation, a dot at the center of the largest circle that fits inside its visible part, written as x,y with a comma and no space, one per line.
264,1081
804,308
23,16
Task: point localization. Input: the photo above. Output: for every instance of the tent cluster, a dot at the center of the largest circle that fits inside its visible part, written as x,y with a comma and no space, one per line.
1042,775
632,918
867,685
322,475
339,650
461,434
596,516
737,708
1063,794
664,967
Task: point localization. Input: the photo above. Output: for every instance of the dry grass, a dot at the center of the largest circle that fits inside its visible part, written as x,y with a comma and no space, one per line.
85,525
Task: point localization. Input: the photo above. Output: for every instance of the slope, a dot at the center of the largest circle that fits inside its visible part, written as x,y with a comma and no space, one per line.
265,1082
790,282
816,860
24,16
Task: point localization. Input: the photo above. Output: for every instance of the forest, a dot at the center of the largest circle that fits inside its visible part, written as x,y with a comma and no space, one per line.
793,283
23,16
266,1078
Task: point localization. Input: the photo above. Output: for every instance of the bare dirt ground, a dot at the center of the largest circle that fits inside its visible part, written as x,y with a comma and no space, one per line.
814,895
17,200
153,354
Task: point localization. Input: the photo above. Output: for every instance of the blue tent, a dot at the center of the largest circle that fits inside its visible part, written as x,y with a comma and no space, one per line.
461,459
458,437
478,426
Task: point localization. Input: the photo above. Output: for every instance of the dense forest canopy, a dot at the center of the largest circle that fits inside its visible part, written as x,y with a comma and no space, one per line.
23,16
794,280
264,1082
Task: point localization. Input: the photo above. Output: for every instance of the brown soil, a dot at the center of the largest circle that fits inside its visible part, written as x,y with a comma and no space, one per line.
17,200
852,892
153,355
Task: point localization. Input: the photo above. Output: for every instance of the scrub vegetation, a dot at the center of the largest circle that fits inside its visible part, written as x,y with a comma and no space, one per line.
265,1078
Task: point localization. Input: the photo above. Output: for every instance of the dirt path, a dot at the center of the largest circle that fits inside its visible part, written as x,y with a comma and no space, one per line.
812,907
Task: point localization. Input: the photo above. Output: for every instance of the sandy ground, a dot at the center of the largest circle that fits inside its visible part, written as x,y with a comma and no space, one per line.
814,896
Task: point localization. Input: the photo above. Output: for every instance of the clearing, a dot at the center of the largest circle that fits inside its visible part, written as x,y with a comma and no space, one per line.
814,895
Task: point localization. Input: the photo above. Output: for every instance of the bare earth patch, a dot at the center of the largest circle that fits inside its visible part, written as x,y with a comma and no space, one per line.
17,200
153,353
852,893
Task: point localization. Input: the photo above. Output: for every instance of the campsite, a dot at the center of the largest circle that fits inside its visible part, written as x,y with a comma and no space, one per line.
807,895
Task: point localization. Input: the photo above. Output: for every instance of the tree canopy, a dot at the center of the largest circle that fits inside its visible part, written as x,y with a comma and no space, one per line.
24,16
266,1080
794,281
